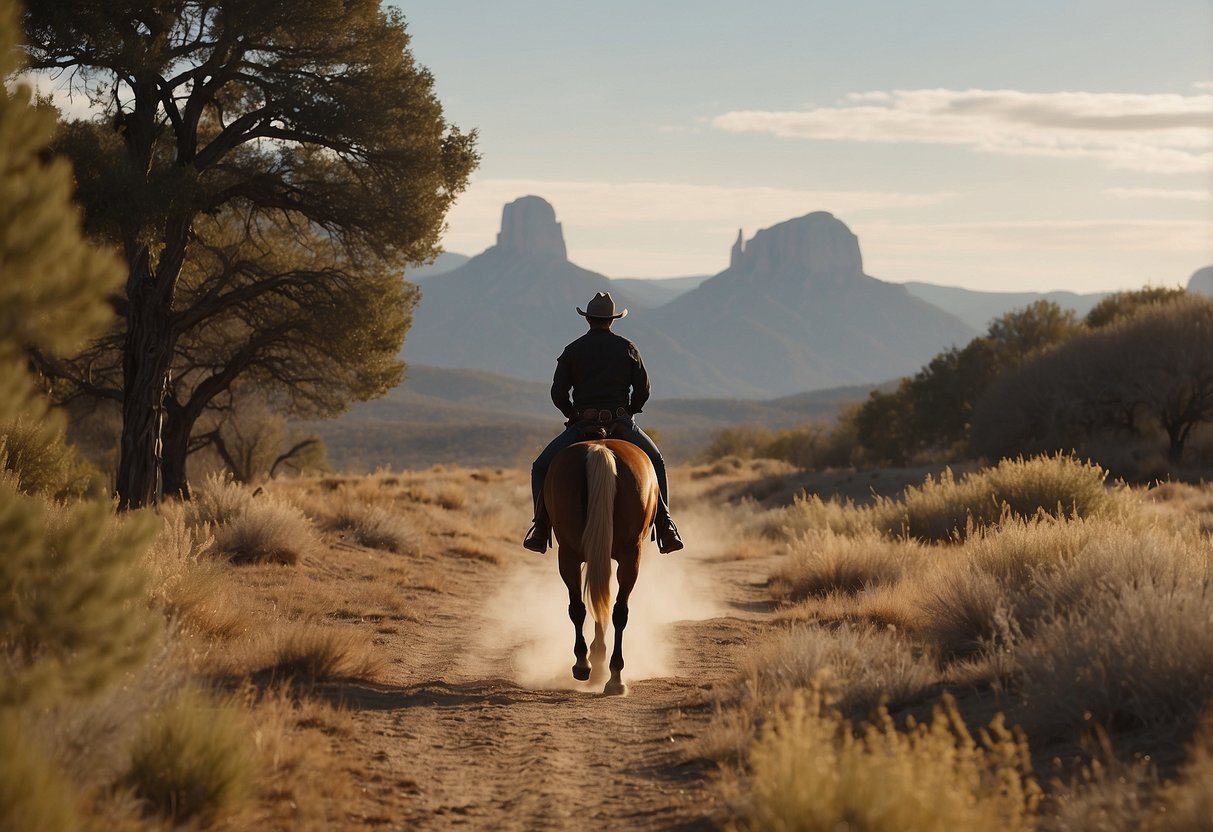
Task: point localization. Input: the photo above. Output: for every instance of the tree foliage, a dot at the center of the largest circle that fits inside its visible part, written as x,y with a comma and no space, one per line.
930,414
1119,305
1151,370
230,123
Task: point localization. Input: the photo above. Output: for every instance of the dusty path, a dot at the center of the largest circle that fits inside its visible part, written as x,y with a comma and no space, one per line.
467,732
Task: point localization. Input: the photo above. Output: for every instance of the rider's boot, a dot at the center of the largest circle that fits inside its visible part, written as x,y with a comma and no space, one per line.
667,533
540,535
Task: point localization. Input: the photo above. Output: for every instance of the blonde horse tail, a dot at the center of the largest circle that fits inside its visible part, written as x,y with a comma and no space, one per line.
597,539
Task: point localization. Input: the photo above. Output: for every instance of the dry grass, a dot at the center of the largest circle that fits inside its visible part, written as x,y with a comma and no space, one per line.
303,785
859,667
247,528
191,587
377,528
822,563
1134,656
267,531
811,772
1083,610
1188,799
947,509
810,513
306,652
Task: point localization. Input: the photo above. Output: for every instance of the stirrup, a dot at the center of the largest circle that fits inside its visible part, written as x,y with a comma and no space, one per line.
667,539
537,539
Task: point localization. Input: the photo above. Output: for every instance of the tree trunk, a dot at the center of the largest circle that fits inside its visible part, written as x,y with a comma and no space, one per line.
1177,437
177,430
146,361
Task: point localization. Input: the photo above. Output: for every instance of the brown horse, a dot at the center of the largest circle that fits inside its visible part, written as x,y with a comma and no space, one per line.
601,496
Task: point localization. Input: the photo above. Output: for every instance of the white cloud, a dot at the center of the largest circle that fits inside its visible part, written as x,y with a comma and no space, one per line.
1161,193
1159,133
1191,236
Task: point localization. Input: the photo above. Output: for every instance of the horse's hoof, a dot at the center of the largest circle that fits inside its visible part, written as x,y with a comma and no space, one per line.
614,688
581,674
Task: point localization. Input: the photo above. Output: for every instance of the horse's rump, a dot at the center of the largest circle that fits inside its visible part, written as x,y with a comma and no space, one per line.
623,520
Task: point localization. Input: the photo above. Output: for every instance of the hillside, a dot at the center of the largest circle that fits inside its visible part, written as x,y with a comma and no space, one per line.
474,417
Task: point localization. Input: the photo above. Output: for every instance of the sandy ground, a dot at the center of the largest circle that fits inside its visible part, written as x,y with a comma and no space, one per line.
479,724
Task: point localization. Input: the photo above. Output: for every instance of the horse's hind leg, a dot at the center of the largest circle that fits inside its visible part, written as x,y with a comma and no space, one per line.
570,572
598,654
626,574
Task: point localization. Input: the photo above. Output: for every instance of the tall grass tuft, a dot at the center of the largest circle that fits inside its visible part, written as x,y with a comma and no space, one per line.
191,760
315,653
809,512
1134,655
377,528
857,666
947,509
811,773
818,564
189,585
267,531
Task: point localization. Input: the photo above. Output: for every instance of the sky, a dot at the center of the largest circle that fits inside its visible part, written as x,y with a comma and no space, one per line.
1032,145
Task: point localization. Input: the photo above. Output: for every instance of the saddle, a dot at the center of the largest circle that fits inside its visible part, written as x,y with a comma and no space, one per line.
601,423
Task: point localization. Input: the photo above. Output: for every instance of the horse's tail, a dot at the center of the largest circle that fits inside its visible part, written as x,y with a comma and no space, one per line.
597,539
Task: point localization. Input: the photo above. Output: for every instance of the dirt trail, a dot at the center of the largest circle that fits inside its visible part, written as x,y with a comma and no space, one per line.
466,731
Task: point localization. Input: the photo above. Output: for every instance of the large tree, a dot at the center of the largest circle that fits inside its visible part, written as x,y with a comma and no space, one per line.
304,115
272,310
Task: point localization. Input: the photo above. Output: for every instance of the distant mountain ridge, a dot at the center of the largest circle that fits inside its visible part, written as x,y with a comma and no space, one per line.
977,309
793,312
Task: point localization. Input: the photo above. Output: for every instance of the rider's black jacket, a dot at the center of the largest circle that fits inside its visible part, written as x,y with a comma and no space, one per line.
603,370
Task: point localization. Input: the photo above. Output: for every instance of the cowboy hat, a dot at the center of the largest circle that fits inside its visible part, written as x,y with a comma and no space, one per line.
602,306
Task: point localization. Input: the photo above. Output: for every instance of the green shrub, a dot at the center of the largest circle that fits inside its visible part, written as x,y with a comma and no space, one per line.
73,612
191,759
811,773
33,795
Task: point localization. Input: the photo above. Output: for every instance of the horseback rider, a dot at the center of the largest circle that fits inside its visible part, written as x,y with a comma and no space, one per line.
609,383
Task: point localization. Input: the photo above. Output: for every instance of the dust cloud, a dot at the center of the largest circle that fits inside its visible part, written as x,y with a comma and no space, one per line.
528,636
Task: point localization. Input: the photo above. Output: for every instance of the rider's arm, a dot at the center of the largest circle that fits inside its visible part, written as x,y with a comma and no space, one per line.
562,383
640,382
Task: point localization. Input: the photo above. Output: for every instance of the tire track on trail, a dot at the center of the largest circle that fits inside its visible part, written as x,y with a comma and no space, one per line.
467,731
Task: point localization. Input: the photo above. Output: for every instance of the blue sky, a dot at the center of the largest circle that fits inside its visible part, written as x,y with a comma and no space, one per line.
1027,145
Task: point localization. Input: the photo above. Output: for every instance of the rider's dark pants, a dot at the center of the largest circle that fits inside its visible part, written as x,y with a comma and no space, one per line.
636,436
